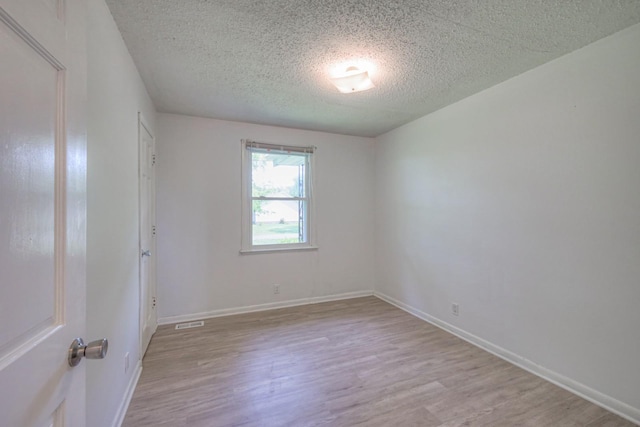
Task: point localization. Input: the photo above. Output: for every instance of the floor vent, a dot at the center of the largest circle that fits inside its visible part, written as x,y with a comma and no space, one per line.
190,325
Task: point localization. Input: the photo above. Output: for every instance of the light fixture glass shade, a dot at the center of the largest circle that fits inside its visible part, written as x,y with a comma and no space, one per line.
353,80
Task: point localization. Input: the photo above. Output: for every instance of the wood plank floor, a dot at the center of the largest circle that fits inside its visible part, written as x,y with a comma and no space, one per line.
358,362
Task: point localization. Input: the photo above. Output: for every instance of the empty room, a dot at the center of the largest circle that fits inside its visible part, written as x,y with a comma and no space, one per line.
340,213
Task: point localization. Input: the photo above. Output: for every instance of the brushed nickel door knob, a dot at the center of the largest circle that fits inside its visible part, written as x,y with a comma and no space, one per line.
94,350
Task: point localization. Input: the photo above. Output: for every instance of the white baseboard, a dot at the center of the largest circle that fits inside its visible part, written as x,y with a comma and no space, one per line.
607,402
260,307
131,387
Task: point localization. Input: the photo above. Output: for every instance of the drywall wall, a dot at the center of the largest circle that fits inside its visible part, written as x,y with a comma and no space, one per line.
116,94
522,205
200,269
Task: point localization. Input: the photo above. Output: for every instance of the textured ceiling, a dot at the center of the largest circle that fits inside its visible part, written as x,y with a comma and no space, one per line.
268,62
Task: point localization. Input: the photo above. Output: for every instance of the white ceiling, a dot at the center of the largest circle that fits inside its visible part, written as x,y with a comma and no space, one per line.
267,62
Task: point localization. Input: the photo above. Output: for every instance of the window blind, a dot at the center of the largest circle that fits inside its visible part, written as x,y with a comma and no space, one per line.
264,147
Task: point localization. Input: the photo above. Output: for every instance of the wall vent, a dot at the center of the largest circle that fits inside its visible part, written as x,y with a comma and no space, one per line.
189,325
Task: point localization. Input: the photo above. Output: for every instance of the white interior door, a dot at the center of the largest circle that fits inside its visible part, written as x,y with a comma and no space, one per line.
148,317
42,211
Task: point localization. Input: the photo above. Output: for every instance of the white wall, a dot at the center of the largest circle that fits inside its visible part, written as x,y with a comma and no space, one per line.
522,204
200,269
116,94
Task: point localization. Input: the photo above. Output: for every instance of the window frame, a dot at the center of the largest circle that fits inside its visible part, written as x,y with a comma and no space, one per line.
247,246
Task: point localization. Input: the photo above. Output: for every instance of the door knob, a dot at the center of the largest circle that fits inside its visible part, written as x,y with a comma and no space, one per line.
94,350
146,253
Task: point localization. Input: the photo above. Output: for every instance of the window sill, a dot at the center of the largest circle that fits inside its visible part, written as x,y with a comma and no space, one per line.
269,250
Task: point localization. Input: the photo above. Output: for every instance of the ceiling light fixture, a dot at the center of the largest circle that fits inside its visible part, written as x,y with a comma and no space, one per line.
352,80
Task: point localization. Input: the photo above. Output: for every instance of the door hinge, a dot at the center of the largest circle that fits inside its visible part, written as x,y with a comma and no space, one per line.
153,302
153,159
153,230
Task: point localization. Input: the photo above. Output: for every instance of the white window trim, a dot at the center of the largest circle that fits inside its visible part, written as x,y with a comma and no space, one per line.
246,246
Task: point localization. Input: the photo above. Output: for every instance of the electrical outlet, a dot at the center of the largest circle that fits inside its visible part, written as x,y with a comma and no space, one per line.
455,309
276,289
126,362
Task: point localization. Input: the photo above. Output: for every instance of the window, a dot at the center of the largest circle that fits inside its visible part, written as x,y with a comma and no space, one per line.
277,202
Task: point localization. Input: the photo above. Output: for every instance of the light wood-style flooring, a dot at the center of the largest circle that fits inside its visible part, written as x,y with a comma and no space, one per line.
357,362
